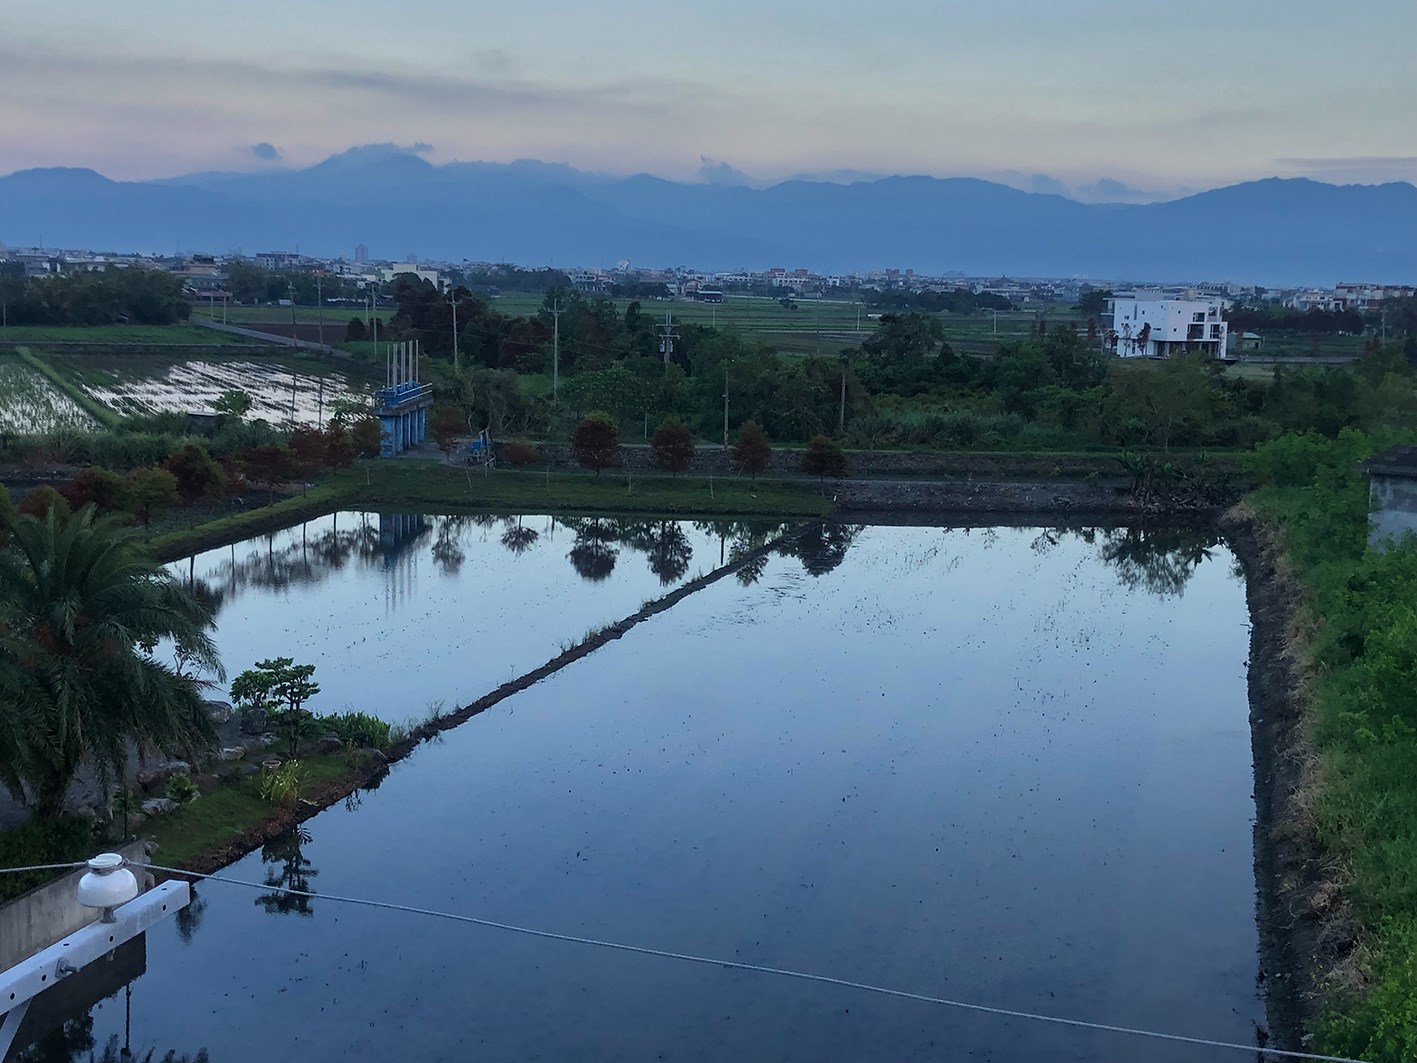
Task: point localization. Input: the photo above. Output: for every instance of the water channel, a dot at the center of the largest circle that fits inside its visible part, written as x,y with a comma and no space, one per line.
1007,765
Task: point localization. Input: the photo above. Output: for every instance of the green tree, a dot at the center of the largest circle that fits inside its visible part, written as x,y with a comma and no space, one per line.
824,457
267,464
367,437
596,442
673,446
82,608
97,487
753,452
197,475
1163,395
233,402
278,687
151,492
39,501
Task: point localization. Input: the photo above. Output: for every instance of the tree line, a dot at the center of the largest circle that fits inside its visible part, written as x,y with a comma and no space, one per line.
116,295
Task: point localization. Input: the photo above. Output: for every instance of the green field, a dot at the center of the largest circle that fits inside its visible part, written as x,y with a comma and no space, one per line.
117,335
335,317
813,326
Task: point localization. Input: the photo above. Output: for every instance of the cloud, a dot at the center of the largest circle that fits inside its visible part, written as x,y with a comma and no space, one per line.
720,173
1361,169
265,150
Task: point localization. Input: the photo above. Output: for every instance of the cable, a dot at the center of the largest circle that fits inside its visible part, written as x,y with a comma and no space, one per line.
42,867
737,965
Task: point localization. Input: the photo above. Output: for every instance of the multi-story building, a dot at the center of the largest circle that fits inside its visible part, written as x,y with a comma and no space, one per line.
1157,327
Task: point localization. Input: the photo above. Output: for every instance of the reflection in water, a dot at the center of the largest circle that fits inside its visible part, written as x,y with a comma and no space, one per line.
293,872
59,1047
822,546
189,918
71,1041
518,538
392,541
1159,559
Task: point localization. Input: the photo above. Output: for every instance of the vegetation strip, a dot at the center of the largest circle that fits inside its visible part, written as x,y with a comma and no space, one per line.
1345,791
273,821
99,412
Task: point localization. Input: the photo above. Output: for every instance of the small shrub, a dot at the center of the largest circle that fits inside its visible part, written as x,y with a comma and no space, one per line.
182,789
520,452
282,785
823,457
356,728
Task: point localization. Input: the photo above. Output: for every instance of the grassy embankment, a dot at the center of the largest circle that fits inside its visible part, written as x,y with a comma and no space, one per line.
1357,642
98,411
211,824
414,484
118,335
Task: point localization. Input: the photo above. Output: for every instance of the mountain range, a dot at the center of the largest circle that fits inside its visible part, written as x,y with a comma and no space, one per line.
1273,231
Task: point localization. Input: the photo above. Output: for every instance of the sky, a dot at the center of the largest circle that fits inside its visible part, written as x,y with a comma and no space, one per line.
1099,99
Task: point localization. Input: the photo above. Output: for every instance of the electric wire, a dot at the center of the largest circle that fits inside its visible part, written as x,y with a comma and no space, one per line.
42,867
641,950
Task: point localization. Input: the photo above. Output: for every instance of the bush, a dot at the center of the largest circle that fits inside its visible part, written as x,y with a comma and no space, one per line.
673,446
357,728
824,457
41,841
596,442
282,785
520,452
182,789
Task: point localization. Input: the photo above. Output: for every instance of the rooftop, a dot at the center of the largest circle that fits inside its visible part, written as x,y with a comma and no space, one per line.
1400,460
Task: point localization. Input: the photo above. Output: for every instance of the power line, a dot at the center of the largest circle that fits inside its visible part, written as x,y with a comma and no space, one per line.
760,969
42,867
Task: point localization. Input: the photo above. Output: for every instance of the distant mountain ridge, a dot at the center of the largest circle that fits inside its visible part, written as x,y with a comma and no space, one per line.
1273,231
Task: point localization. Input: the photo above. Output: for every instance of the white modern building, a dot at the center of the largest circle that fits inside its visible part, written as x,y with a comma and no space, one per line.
1157,327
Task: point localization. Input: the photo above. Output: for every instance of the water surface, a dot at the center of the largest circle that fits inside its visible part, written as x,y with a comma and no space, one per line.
1008,766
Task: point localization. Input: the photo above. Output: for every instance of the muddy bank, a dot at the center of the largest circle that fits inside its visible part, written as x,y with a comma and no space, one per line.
1304,933
1042,501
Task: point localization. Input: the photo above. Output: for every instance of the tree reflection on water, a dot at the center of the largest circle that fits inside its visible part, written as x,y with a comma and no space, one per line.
1159,559
292,871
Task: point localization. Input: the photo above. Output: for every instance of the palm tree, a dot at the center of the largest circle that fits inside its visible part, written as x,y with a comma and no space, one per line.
81,612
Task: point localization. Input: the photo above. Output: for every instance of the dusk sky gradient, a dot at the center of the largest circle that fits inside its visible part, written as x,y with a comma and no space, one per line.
1163,97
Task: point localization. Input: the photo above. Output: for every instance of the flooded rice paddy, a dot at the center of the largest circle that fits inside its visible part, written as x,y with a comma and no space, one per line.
1008,766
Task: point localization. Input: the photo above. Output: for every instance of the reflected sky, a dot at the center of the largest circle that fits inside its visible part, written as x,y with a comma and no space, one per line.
400,609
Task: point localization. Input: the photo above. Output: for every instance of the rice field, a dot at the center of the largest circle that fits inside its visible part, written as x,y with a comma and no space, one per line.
31,404
141,385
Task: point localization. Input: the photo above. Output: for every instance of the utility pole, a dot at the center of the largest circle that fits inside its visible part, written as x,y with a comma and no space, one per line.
725,407
320,300
841,411
555,348
667,336
453,302
294,342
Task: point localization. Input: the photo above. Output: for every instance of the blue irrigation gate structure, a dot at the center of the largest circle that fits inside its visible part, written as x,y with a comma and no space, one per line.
401,405
481,446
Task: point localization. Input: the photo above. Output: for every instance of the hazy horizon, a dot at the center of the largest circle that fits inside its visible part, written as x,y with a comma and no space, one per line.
1098,100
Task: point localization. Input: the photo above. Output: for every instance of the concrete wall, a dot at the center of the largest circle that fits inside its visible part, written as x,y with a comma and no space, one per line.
1393,504
51,912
